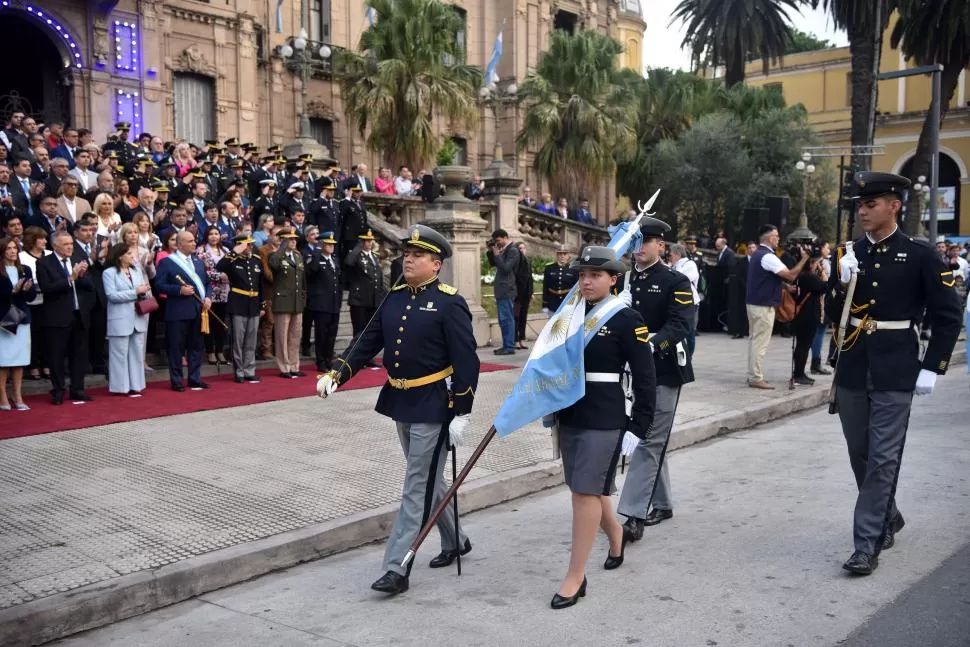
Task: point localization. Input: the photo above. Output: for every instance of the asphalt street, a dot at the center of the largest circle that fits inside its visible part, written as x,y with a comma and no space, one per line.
752,557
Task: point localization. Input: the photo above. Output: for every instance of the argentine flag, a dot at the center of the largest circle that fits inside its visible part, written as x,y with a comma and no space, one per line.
491,71
554,376
371,15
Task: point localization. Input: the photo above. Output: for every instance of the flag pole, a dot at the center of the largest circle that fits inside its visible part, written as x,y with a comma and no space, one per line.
621,244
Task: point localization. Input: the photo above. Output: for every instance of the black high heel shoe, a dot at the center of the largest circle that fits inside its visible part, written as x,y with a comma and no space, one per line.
611,562
560,602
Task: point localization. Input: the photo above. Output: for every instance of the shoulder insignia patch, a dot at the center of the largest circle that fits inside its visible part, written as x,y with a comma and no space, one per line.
447,289
947,275
399,287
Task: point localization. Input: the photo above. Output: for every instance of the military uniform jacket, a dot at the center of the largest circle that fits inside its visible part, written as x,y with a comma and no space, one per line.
367,287
621,340
664,299
557,281
325,214
353,218
244,274
262,206
323,282
898,278
422,330
289,282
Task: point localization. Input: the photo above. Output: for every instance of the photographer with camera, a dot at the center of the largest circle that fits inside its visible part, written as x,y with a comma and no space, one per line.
505,258
810,288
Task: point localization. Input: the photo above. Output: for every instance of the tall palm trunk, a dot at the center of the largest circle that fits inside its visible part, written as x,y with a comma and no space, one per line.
924,152
862,48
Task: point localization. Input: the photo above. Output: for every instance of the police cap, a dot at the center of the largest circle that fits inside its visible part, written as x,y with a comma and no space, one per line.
653,227
596,257
872,184
424,237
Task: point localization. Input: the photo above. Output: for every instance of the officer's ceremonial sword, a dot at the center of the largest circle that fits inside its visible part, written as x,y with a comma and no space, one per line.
840,334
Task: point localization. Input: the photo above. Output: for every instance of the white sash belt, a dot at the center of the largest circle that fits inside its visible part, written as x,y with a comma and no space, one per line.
603,377
872,324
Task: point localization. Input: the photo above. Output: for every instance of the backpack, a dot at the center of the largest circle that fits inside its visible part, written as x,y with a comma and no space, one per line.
788,309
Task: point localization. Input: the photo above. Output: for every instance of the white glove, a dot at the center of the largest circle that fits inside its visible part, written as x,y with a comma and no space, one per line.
925,382
547,312
456,430
326,385
630,443
847,266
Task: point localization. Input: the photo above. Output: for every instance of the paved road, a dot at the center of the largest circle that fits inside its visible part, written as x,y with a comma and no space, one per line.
752,557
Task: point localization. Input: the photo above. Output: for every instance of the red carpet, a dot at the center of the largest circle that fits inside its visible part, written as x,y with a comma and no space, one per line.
159,400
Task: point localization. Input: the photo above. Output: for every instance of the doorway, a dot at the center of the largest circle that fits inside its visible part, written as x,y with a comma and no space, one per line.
35,80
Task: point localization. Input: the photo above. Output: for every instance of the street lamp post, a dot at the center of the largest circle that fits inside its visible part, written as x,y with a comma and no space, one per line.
802,233
922,193
303,56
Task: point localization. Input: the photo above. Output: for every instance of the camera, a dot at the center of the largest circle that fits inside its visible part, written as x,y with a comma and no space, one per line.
491,242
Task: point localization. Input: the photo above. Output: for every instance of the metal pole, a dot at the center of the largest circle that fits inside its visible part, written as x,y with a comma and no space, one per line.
838,210
935,159
874,96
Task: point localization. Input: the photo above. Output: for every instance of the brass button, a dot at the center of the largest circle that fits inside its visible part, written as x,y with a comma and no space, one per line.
407,308
637,302
397,352
638,289
875,284
876,266
401,329
396,365
412,297
399,341
404,317
872,301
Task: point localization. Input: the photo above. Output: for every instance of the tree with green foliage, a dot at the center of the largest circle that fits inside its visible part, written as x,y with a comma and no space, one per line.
725,32
805,42
410,71
930,33
580,112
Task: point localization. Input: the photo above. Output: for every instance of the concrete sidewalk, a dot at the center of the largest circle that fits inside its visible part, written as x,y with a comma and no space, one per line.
103,523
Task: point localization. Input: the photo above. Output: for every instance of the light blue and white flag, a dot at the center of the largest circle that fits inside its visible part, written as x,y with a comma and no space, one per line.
554,376
491,71
371,16
279,16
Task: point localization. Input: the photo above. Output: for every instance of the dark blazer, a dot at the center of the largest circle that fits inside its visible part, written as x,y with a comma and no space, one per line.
367,287
20,199
179,307
58,297
506,263
62,150
727,259
40,220
8,298
324,293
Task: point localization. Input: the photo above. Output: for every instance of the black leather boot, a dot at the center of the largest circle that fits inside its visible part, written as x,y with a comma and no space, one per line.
818,369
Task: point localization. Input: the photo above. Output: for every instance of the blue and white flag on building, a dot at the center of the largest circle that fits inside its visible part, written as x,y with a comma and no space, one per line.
371,16
491,71
554,377
279,16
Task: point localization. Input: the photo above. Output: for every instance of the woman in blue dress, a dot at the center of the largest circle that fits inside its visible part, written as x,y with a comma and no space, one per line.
17,288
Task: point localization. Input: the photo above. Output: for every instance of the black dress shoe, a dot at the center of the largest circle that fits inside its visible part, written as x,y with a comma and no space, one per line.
804,380
286,376
612,562
391,582
57,398
895,525
178,388
239,379
81,396
656,516
633,529
198,385
298,374
562,602
446,557
252,378
861,563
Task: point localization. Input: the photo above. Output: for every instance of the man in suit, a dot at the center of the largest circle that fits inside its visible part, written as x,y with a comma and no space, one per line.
359,178
725,255
48,219
324,296
353,220
182,277
6,200
40,167
505,257
83,171
583,214
68,299
94,249
737,289
59,170
70,205
67,149
20,188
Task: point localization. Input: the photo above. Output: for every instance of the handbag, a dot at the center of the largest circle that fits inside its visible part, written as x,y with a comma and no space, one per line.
146,305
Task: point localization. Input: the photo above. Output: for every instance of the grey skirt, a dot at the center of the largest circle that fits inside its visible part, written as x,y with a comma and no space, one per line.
589,458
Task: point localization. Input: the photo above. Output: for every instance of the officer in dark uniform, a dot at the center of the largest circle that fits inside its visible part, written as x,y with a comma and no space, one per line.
234,149
219,169
245,305
127,152
425,330
265,203
365,281
353,220
142,176
880,366
324,212
265,172
664,299
558,279
309,178
251,160
324,297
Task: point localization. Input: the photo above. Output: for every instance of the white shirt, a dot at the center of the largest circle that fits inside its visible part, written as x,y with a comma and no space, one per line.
688,268
771,263
964,268
71,208
31,262
402,186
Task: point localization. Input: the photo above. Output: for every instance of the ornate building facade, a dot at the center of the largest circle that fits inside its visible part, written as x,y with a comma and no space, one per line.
211,69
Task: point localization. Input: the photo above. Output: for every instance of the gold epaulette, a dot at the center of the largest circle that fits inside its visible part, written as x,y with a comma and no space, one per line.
399,287
447,289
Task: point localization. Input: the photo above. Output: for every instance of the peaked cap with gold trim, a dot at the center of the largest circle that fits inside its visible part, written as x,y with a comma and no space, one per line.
424,237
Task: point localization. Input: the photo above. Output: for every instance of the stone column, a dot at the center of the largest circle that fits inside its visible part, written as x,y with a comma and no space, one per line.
502,188
460,223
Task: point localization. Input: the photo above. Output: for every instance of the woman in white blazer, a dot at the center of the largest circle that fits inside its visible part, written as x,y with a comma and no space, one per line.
124,284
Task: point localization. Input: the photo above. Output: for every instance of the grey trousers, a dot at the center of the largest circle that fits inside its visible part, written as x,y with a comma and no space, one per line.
126,363
425,446
874,424
244,330
647,481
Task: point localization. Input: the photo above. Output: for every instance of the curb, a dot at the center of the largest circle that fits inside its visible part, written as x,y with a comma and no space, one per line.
96,605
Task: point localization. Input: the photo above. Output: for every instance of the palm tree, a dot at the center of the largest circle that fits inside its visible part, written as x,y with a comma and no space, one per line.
727,31
863,21
929,33
411,70
580,112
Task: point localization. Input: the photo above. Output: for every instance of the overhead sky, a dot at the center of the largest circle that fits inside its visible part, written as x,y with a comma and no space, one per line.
661,45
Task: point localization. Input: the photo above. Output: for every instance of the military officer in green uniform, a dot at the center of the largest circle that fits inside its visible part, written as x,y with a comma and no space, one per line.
557,280
879,367
245,305
425,331
289,302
